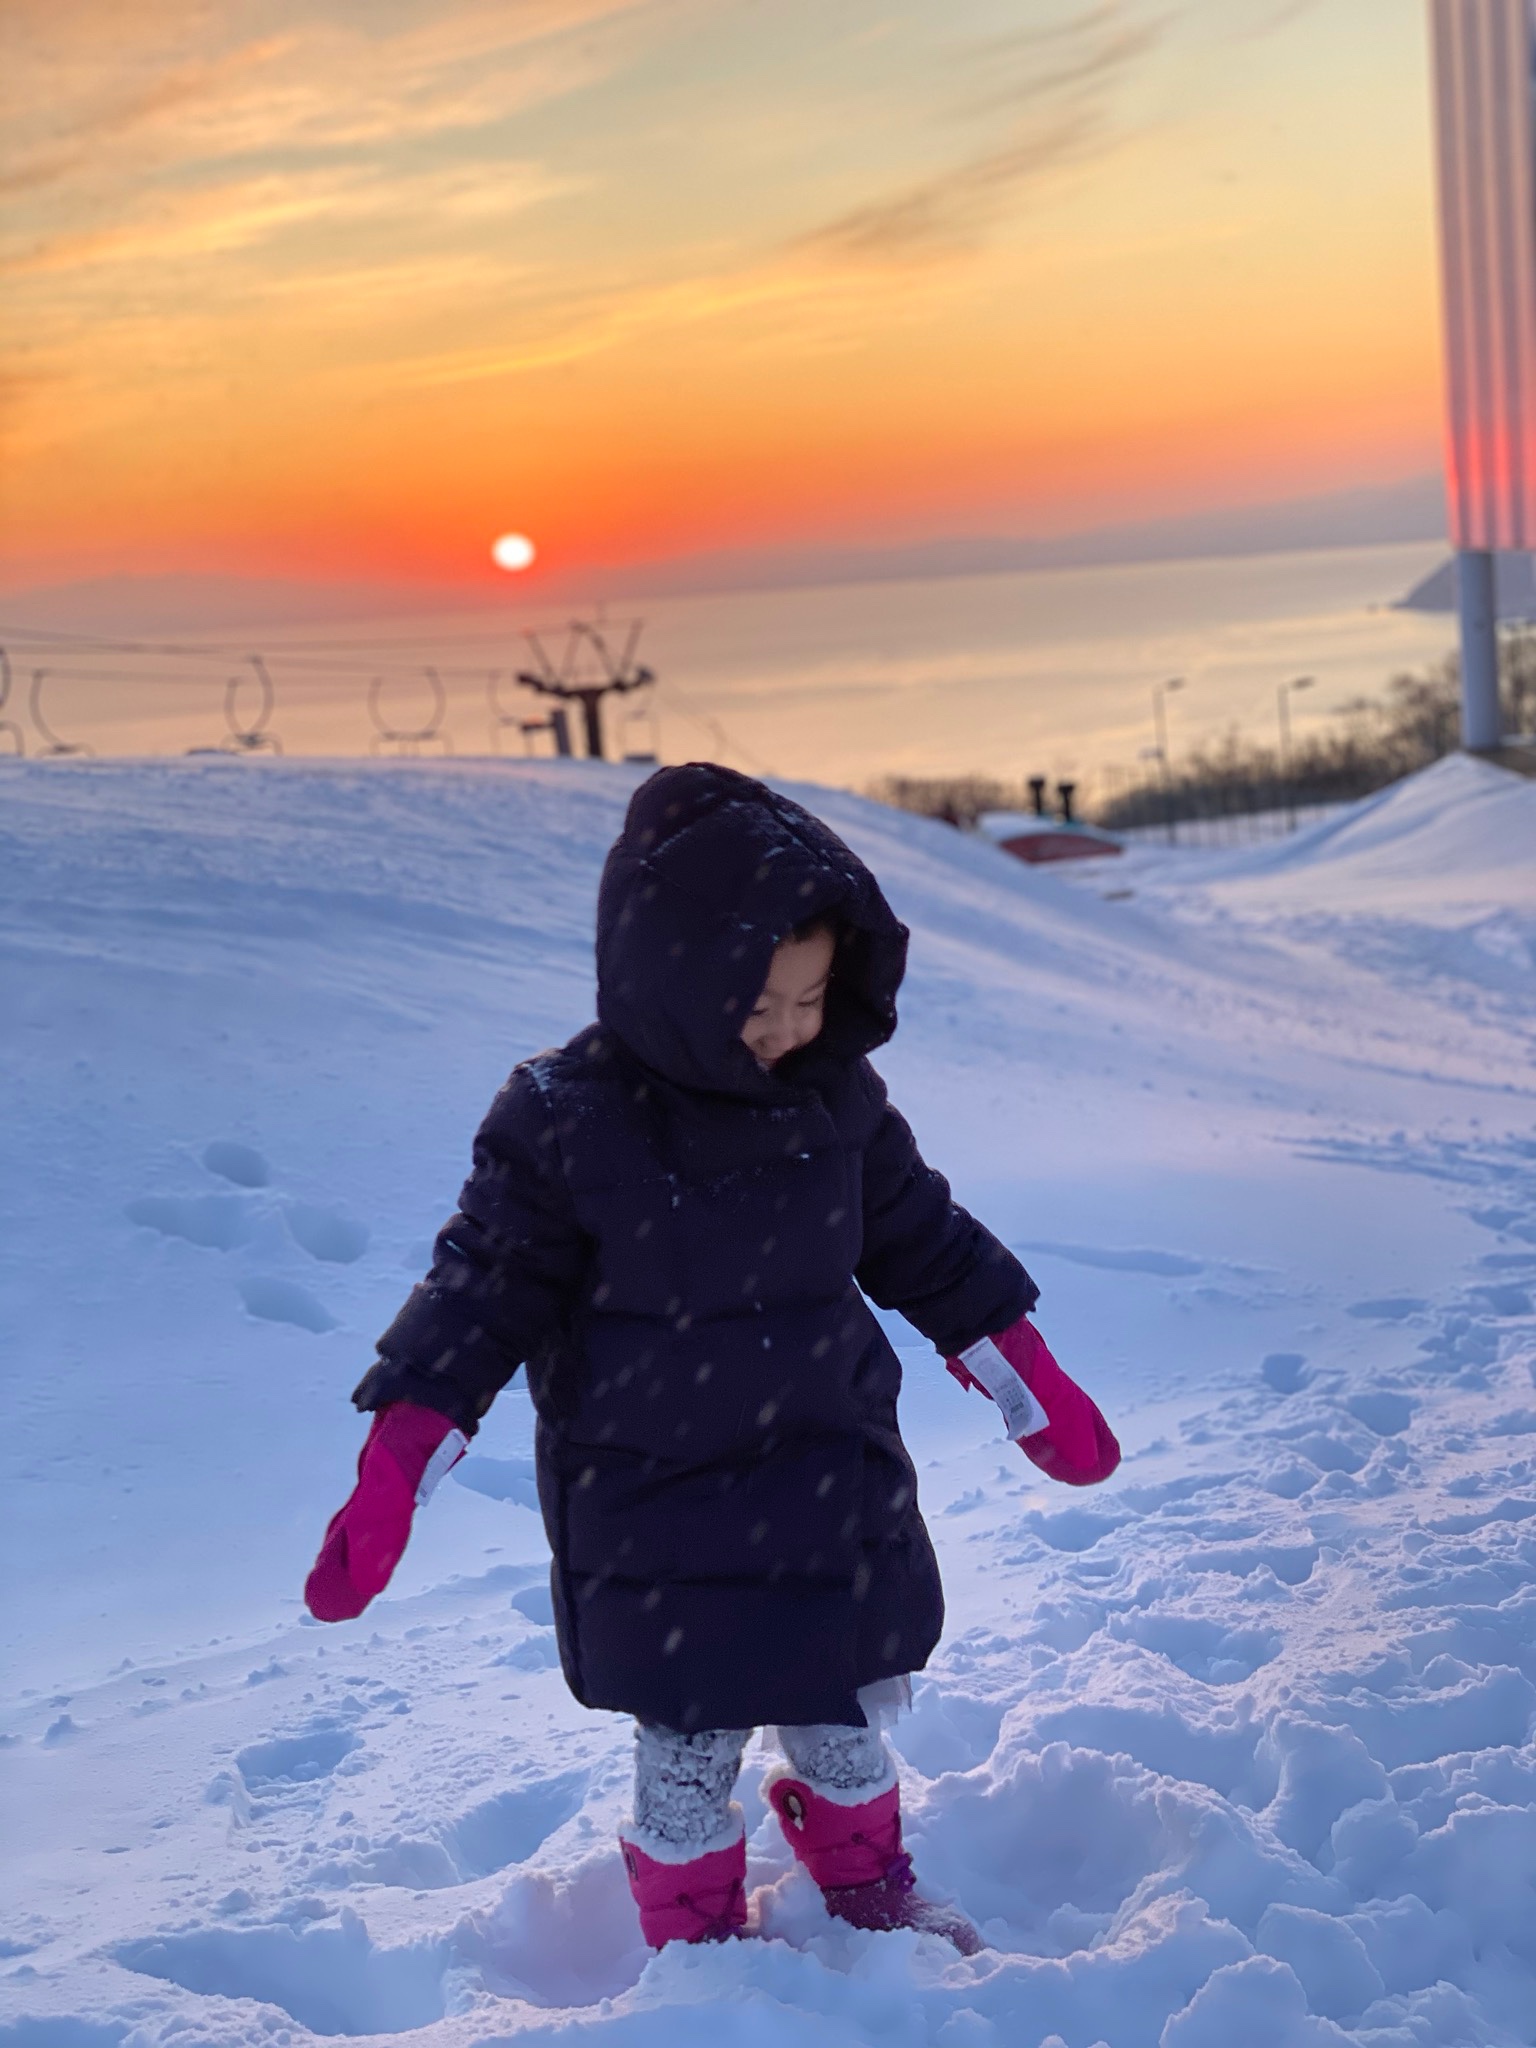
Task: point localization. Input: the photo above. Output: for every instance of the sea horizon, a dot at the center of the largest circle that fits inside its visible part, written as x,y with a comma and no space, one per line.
1007,672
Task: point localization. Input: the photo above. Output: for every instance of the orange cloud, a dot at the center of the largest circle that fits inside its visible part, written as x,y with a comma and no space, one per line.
1060,85
218,219
298,284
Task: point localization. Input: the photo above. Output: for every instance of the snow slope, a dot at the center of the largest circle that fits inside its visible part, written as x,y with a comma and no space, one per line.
1238,1748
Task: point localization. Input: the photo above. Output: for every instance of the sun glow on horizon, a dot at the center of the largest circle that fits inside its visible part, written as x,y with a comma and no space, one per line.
513,551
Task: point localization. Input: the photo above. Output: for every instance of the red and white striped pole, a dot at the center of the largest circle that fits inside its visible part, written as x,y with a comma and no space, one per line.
1483,57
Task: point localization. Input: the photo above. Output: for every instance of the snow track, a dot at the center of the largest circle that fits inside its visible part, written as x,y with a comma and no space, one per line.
1238,1751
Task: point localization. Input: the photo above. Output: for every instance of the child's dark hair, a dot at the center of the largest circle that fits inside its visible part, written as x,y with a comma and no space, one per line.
826,921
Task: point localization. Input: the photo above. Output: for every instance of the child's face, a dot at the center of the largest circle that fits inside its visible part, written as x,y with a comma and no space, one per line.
790,1010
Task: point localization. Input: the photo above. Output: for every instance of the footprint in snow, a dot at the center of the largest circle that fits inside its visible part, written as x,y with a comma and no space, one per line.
63,2032
216,1222
513,1825
331,1980
539,1651
1285,1372
1391,1308
225,1222
1504,1298
326,1234
1292,1563
284,1301
1203,1649
537,1603
1383,1412
510,1479
1468,1343
493,1835
947,1731
242,1164
283,1762
285,1770
1072,1529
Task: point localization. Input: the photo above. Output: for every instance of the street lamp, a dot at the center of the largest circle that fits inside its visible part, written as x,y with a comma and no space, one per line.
1283,700
1160,692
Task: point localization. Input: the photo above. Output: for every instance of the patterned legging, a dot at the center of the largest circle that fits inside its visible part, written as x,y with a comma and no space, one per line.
683,1782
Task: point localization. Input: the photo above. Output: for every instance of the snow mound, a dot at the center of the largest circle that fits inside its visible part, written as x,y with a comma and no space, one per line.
1429,886
1239,1748
1460,836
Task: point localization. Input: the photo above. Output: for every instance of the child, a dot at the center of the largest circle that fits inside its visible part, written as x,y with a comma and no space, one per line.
672,1223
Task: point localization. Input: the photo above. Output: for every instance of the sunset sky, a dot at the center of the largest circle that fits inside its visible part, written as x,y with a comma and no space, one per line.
303,288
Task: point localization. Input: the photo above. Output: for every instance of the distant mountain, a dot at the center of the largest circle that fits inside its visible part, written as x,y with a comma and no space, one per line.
198,604
1410,511
1514,589
202,604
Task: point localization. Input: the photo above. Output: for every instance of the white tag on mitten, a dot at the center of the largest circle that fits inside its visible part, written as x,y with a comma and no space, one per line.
443,1459
1021,1412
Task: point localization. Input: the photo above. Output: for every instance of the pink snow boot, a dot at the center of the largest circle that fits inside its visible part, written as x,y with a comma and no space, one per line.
855,1855
704,1899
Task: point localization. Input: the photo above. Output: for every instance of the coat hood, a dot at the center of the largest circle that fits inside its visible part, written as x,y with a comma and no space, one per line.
711,871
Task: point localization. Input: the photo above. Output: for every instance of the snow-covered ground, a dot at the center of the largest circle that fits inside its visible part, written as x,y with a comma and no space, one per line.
1236,1752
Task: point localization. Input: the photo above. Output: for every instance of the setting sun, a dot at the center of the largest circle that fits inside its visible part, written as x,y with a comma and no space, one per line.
513,551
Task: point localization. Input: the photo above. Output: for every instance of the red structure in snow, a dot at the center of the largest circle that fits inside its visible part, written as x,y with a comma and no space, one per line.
1037,837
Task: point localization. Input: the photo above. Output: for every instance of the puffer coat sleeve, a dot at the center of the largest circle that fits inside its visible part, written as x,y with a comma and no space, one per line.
505,1275
925,1256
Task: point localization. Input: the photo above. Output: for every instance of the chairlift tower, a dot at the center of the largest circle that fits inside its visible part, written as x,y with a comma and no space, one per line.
589,670
13,731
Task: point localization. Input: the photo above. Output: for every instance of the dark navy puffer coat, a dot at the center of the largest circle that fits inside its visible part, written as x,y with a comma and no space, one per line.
674,1241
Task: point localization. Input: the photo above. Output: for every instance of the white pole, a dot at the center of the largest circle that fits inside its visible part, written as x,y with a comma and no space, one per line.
1481,723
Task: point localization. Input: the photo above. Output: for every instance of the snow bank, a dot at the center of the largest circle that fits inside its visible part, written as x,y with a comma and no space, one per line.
1443,845
1238,1748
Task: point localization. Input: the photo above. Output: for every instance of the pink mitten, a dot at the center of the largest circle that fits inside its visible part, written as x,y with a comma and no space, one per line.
1049,1416
407,1452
